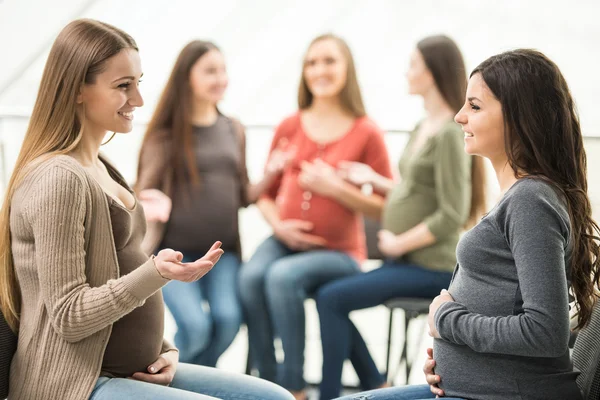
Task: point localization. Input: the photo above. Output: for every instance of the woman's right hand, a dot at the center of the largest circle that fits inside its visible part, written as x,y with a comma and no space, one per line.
169,265
430,376
293,233
357,173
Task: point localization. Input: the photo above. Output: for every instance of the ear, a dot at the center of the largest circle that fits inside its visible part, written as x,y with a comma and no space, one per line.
80,96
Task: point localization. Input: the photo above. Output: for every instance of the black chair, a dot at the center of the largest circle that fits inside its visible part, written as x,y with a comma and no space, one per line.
586,357
8,346
412,307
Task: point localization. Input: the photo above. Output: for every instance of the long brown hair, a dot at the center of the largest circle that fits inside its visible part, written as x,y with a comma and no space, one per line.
543,138
350,96
173,114
77,56
444,60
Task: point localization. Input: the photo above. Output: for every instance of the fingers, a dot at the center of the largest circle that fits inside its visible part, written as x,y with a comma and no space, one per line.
430,352
305,226
436,390
313,240
170,255
216,245
157,365
159,379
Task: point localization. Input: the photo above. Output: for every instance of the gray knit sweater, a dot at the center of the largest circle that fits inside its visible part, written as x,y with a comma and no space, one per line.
506,335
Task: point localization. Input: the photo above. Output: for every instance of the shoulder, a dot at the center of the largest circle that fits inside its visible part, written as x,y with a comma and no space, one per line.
289,124
533,201
367,126
452,132
54,179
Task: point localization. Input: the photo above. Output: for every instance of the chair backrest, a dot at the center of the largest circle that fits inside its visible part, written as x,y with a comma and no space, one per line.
8,346
586,357
371,228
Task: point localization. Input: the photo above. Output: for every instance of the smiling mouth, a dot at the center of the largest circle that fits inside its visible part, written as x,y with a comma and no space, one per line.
468,134
127,115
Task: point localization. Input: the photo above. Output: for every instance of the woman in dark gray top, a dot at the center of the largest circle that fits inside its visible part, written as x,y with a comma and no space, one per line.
196,156
502,329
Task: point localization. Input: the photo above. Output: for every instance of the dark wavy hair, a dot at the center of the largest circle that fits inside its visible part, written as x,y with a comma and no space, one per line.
543,139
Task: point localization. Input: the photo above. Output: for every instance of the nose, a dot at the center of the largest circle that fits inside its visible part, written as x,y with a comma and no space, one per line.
461,117
136,99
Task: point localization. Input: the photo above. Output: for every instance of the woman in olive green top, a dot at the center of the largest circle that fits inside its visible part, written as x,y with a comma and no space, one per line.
441,191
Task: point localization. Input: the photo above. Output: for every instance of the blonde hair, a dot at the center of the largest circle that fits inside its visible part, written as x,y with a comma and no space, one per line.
78,55
350,95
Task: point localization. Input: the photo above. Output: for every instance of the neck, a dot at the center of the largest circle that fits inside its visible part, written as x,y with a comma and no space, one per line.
436,107
504,174
88,148
204,113
327,106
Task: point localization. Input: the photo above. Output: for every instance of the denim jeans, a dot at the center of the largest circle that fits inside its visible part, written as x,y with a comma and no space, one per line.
191,382
273,286
203,335
339,336
415,392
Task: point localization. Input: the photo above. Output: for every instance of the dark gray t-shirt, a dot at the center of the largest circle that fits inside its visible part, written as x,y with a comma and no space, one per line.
208,212
506,335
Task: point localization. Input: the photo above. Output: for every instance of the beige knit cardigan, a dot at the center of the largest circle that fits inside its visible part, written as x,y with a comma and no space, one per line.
72,292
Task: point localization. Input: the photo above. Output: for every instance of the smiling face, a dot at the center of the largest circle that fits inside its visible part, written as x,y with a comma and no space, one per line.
482,121
208,77
325,69
110,100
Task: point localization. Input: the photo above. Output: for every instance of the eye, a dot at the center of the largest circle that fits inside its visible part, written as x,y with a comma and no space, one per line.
474,107
124,85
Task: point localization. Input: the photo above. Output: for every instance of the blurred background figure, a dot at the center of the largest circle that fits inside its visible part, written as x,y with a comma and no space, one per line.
318,233
192,179
441,189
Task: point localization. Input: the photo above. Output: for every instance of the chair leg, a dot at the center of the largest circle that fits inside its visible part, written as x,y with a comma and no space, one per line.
389,345
404,355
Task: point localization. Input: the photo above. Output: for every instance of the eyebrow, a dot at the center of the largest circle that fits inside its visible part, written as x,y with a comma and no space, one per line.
474,98
127,77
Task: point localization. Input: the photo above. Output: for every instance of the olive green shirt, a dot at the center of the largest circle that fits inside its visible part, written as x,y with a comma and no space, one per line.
435,189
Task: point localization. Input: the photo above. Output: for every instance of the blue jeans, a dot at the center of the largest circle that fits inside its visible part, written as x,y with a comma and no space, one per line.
191,382
203,335
273,286
415,392
340,338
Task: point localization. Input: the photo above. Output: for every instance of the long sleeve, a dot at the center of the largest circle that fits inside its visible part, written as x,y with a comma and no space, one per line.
56,211
536,233
452,174
154,163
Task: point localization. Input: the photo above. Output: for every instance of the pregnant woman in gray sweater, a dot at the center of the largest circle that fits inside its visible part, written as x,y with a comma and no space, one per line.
502,329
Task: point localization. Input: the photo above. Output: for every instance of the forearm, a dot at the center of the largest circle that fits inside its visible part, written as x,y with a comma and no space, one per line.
416,238
268,209
382,185
255,190
354,199
520,335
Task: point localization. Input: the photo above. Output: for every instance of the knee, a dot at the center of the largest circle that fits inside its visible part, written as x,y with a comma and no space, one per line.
251,282
282,280
227,321
328,299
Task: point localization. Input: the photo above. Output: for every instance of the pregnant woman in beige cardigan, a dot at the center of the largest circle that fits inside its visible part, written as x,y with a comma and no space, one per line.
75,283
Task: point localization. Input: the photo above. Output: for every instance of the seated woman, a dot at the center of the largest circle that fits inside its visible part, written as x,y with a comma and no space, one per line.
315,215
196,156
76,285
502,329
441,189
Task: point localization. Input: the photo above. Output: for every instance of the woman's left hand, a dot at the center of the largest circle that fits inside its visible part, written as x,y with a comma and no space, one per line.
319,177
161,371
442,298
388,244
